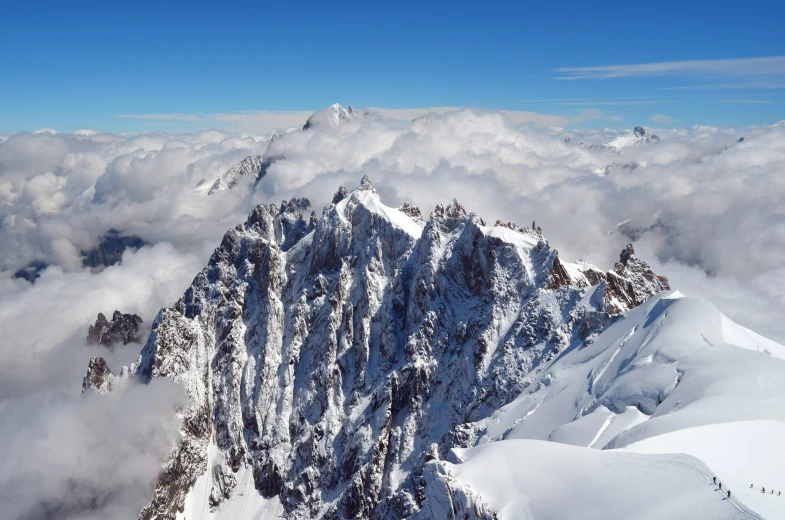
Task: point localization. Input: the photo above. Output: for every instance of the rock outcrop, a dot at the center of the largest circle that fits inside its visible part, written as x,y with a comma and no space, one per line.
123,328
110,249
98,377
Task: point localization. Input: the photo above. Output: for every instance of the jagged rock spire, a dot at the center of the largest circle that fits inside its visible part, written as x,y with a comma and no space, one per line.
631,282
98,376
626,253
123,328
455,210
340,194
412,211
365,183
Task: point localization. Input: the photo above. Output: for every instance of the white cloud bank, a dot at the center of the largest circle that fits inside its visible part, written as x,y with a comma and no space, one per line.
705,209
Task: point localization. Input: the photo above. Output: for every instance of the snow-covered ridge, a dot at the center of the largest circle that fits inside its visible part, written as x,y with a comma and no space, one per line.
251,167
332,116
334,363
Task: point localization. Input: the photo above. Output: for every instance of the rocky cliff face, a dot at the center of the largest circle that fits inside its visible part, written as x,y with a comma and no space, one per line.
335,357
123,328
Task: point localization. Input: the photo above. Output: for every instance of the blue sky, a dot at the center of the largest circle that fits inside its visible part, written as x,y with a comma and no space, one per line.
194,65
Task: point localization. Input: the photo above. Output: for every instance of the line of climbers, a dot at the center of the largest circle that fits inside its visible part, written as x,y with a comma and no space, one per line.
714,479
763,490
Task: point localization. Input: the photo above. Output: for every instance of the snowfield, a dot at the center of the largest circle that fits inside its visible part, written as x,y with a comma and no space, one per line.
527,480
740,454
663,380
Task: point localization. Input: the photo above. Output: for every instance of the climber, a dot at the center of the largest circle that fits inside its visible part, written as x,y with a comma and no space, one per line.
714,479
720,486
750,486
778,493
763,490
729,494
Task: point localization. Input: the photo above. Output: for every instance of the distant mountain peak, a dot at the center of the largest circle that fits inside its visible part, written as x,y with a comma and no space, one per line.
638,137
332,116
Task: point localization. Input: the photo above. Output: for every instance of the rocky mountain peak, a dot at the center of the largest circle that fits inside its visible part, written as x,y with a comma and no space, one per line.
332,116
123,328
412,211
321,355
365,183
626,253
340,194
453,210
98,377
631,282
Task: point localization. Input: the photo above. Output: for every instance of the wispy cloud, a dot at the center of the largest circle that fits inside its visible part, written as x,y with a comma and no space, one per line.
160,117
763,66
611,101
662,118
753,101
752,85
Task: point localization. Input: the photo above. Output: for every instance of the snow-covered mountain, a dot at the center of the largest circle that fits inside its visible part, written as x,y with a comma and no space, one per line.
638,137
369,364
254,166
250,167
334,115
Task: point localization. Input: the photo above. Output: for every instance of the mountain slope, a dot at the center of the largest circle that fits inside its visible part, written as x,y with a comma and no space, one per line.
331,361
250,167
661,380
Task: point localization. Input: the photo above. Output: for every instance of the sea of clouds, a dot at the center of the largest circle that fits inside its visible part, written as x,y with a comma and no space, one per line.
705,209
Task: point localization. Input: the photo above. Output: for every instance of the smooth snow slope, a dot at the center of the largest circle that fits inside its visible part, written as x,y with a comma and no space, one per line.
668,359
739,454
527,480
663,379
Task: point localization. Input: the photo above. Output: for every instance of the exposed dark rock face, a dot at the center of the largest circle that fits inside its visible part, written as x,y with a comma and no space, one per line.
340,194
413,212
32,271
110,250
631,282
333,358
98,377
123,328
